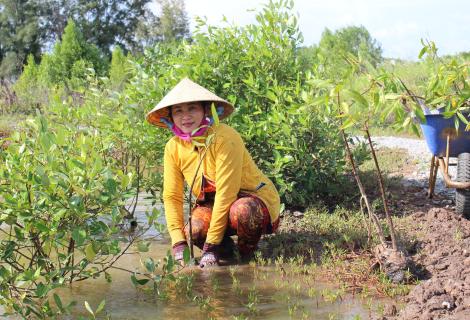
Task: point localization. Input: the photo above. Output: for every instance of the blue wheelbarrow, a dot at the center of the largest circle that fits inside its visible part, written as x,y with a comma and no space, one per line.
445,141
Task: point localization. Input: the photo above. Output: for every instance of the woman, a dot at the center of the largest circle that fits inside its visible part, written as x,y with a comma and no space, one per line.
233,196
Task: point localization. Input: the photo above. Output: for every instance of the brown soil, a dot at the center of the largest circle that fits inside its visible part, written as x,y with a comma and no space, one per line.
443,253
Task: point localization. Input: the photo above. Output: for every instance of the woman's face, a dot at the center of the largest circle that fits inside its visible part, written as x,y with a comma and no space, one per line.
187,116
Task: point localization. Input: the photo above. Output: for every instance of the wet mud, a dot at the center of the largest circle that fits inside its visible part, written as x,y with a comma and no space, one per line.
443,255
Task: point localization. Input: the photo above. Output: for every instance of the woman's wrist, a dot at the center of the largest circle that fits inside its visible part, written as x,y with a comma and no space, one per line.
210,247
178,250
210,255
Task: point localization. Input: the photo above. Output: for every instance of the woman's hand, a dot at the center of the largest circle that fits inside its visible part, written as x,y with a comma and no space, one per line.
210,255
178,251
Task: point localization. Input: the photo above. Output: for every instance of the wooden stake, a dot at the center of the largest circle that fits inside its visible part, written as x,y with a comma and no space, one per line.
431,179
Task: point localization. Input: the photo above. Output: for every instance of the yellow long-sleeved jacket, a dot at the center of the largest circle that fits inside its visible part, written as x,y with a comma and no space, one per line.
228,163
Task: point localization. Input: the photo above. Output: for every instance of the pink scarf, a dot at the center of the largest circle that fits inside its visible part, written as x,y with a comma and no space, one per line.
187,136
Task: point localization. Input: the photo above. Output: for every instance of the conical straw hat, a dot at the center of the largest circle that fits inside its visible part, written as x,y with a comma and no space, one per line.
185,91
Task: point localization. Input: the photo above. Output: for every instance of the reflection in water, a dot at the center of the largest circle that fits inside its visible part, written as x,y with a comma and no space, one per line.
223,292
228,292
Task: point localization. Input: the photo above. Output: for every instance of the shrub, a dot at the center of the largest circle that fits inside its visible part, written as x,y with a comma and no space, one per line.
256,68
60,212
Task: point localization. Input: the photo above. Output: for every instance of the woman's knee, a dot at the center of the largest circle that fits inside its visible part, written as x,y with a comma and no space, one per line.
246,213
200,221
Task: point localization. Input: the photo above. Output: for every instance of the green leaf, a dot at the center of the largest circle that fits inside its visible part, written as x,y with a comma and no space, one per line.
456,123
41,227
87,306
376,99
58,302
186,255
392,96
60,136
271,96
138,282
359,98
90,252
462,118
320,100
215,116
170,263
100,307
438,100
348,123
41,290
143,246
79,236
420,114
149,264
415,129
422,52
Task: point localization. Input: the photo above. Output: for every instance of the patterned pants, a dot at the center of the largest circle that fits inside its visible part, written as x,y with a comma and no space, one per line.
248,219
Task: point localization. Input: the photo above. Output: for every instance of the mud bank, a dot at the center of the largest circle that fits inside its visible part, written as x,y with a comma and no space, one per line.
443,253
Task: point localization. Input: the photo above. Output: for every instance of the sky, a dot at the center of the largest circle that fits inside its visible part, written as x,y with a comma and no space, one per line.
398,25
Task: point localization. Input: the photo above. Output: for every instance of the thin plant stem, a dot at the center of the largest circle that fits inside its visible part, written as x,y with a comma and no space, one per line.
362,190
382,190
191,244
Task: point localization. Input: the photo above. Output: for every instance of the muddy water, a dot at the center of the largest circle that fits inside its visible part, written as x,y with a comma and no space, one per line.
236,291
273,294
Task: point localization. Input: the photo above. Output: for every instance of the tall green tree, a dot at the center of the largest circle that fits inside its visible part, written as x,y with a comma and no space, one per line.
170,24
73,52
67,65
103,23
21,34
334,47
119,71
173,20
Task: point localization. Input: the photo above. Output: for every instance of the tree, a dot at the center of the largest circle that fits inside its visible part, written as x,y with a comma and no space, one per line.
119,71
171,24
31,26
103,23
173,20
334,47
66,68
70,60
21,34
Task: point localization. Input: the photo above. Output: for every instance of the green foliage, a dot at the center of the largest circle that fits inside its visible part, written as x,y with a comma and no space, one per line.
255,67
119,72
71,57
174,24
20,35
60,213
334,48
171,24
28,89
446,87
29,27
66,71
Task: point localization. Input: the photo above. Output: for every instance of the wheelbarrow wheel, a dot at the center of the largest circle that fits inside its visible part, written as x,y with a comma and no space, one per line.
462,196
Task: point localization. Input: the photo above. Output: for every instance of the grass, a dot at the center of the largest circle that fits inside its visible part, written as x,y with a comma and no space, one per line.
337,240
384,131
337,244
391,161
10,122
